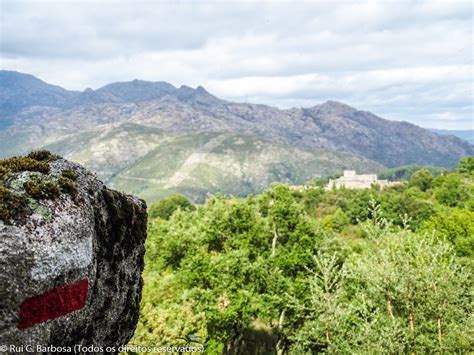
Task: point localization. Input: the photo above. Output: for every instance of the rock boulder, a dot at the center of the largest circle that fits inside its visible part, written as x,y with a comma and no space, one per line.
71,256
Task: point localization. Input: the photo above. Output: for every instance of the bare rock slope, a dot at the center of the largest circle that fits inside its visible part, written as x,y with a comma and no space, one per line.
71,256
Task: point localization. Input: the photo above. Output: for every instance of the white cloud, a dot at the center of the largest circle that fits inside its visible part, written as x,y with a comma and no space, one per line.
409,60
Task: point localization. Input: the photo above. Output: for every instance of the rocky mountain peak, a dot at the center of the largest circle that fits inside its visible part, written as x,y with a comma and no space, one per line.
186,89
19,90
199,95
10,78
202,90
336,107
137,90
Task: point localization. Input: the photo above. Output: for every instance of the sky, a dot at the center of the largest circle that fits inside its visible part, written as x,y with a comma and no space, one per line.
402,60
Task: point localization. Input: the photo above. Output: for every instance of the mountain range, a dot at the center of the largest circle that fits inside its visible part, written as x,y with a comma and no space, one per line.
153,139
465,134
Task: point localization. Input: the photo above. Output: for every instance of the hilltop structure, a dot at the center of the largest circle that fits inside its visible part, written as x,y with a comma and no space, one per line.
351,180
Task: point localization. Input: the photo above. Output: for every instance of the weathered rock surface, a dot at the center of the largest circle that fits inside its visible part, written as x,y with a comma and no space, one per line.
71,256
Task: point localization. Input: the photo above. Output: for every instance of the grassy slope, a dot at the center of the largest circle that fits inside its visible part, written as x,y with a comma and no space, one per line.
110,150
152,164
227,163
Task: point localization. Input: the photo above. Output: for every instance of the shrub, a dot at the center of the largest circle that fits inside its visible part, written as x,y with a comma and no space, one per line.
166,207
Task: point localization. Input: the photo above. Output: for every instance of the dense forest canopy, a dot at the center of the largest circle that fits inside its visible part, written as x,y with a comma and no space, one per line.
303,272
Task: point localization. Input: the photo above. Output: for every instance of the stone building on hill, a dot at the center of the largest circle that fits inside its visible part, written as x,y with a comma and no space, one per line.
351,180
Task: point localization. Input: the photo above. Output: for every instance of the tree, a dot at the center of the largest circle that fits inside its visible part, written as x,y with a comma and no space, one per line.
450,190
312,197
416,293
358,205
165,208
410,202
456,226
466,165
422,179
337,221
260,275
325,310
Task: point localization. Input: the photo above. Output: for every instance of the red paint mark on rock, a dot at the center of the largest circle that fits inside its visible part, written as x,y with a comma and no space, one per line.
53,303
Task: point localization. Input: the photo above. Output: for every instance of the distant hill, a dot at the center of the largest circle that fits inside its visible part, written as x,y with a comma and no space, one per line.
152,138
467,134
405,172
153,164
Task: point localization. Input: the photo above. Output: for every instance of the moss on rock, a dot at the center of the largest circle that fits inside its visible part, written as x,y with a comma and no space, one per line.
35,161
43,155
40,188
17,164
69,174
12,205
68,186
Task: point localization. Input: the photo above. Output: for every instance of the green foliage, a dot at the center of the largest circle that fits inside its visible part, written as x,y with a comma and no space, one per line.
405,172
313,271
450,190
417,291
358,205
457,226
466,165
165,316
312,197
337,221
422,179
410,203
165,208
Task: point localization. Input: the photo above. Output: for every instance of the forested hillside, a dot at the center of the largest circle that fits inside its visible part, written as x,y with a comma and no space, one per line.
311,271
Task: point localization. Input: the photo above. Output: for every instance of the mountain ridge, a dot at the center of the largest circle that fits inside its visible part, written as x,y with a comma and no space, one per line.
170,112
465,134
